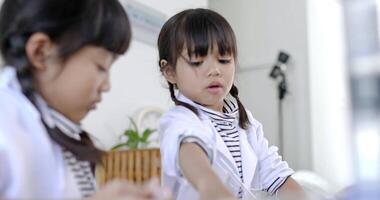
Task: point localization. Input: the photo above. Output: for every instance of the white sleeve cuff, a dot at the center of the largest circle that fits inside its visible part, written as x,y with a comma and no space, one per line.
273,188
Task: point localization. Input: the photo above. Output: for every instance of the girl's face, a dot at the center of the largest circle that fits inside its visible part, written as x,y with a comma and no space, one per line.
206,80
75,86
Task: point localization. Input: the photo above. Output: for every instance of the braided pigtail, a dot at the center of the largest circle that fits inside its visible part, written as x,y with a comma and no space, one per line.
16,57
243,117
177,102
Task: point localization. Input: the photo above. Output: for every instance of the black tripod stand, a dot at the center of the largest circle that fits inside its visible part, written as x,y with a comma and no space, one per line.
278,73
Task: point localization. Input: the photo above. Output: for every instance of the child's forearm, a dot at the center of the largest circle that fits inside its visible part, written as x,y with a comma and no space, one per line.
291,190
198,171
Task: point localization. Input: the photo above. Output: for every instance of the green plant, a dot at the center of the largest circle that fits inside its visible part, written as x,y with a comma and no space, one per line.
134,138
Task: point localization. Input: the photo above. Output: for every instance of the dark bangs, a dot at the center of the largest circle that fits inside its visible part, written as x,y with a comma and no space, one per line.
112,29
102,23
200,30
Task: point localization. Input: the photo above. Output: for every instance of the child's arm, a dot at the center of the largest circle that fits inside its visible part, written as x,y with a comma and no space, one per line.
122,189
198,171
291,189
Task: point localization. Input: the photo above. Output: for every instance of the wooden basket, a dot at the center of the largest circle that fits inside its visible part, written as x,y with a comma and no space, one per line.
134,165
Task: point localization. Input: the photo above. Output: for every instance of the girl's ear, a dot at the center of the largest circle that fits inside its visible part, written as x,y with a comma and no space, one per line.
168,72
38,48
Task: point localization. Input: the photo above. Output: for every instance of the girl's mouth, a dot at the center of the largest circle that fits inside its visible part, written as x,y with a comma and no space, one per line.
214,88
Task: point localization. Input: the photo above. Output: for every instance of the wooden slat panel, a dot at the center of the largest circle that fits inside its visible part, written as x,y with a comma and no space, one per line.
124,165
138,168
117,161
134,165
145,164
109,172
131,165
153,165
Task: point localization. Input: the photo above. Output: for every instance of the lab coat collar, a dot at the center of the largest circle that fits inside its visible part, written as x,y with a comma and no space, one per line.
8,78
54,119
185,99
248,157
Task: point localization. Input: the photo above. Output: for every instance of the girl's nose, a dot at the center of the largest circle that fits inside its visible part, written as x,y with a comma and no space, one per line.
106,85
214,71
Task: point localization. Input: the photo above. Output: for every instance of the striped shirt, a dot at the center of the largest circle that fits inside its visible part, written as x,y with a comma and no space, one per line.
82,173
226,125
77,171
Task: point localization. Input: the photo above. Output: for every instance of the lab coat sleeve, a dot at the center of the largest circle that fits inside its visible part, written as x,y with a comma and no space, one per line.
176,126
7,113
273,171
4,171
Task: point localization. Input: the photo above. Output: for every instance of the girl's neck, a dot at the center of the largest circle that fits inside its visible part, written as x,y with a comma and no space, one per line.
217,108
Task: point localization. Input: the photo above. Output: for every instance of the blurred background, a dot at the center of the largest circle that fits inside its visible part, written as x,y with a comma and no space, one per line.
316,126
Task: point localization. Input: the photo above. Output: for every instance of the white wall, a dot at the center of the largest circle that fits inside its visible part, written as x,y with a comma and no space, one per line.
136,83
329,95
262,29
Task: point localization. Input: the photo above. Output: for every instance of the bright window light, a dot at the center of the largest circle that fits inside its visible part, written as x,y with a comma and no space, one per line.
368,149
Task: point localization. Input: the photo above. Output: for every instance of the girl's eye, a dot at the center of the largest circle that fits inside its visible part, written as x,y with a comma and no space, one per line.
224,61
195,63
101,69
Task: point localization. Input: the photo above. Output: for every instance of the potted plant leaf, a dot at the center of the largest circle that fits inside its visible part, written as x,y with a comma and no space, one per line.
131,159
135,139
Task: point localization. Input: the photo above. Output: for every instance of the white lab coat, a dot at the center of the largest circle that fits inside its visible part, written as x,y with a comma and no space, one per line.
31,164
261,163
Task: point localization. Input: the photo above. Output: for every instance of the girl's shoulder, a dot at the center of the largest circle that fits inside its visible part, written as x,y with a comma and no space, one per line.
10,101
12,98
13,103
10,91
254,123
180,113
16,110
179,120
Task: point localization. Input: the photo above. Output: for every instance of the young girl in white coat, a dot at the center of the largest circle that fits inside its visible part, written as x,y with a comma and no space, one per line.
211,146
58,55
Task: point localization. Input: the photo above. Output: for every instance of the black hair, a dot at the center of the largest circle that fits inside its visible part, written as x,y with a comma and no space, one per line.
198,30
71,24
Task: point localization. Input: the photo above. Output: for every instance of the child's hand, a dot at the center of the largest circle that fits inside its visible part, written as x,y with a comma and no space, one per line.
120,190
217,196
125,190
153,187
228,198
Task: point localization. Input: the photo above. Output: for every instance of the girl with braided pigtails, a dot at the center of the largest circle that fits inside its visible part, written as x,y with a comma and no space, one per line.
57,56
211,146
